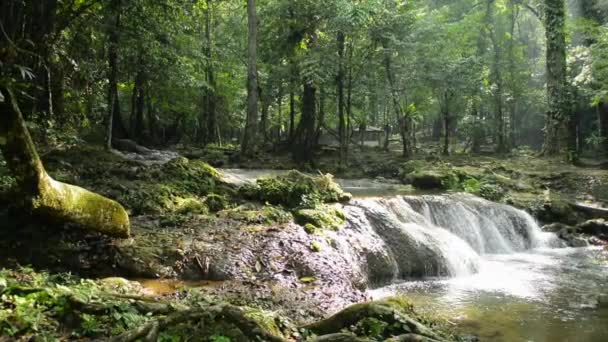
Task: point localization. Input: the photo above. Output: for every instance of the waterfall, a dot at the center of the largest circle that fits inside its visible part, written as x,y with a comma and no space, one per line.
438,235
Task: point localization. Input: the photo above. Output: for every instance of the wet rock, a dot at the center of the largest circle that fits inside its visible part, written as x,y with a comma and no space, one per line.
555,227
597,228
571,236
427,180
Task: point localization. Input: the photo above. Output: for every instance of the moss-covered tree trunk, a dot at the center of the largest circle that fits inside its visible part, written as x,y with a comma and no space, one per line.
557,113
44,195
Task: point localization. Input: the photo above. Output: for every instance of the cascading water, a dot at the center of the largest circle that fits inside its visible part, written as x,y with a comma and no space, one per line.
441,235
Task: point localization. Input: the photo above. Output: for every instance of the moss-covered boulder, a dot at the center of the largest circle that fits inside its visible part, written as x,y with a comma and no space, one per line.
295,189
429,179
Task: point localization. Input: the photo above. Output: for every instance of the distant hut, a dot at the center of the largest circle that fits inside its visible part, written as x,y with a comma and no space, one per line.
368,136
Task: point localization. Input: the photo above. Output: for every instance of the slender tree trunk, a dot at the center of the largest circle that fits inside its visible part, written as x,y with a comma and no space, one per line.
303,148
115,124
557,95
499,119
292,113
44,195
513,10
602,111
321,117
446,123
340,90
248,145
401,119
265,99
280,113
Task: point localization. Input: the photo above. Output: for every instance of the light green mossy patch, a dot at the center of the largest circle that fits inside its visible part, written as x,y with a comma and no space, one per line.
269,321
322,216
192,205
295,189
315,246
310,228
264,215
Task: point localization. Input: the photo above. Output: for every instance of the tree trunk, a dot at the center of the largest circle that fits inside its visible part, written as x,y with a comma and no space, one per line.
499,119
513,9
248,146
446,123
115,124
42,194
340,85
303,147
554,20
401,119
321,119
292,113
207,122
139,100
602,111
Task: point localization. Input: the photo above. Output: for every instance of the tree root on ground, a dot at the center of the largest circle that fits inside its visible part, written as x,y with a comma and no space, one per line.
380,310
223,312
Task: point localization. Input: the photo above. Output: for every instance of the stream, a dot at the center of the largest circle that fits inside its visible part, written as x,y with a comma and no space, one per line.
485,267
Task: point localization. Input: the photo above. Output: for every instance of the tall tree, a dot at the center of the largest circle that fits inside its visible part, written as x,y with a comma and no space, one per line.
248,145
557,86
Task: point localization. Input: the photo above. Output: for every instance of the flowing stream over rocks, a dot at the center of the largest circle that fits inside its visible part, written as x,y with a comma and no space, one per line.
483,265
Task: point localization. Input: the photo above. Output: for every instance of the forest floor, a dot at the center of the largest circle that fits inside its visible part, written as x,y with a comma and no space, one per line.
192,229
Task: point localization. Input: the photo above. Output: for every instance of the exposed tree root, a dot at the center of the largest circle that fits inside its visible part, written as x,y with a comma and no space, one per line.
380,310
46,196
223,312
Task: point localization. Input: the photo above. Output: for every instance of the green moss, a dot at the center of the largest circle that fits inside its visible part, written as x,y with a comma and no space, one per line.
265,215
310,228
315,246
269,321
190,205
153,189
323,216
296,189
216,202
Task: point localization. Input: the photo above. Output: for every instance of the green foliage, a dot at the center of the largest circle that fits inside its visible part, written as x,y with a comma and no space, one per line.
411,166
38,303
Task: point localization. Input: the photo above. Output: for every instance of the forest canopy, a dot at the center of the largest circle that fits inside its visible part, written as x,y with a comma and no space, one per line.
472,74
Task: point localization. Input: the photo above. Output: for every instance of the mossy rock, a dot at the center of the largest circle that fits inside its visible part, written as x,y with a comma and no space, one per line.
216,202
430,179
323,217
265,215
295,189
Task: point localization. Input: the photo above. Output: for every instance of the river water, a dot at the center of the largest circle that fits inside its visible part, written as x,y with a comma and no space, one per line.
541,295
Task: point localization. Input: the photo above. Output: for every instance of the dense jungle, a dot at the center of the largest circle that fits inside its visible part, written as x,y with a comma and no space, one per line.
304,170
